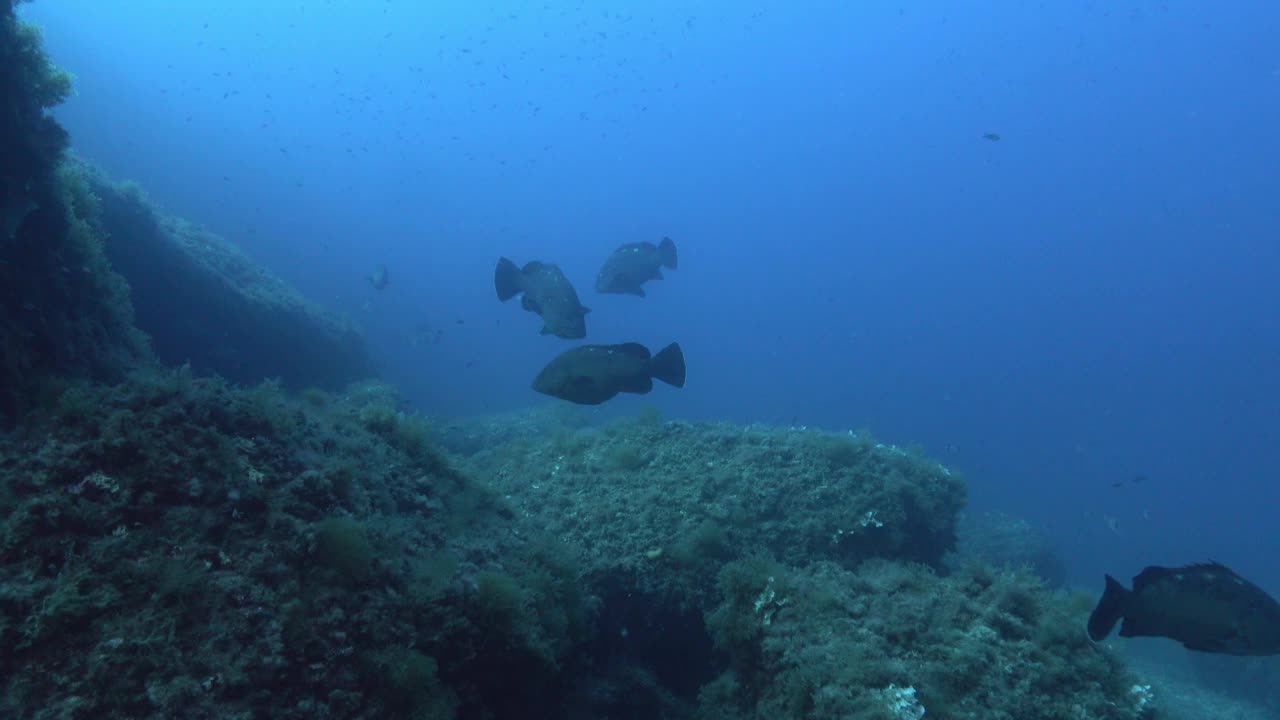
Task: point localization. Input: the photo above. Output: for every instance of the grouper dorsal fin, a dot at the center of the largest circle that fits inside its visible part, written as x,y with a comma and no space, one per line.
1149,576
634,350
1153,573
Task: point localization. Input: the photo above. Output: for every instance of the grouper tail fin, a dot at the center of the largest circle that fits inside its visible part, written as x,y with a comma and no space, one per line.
507,279
668,365
1115,599
667,253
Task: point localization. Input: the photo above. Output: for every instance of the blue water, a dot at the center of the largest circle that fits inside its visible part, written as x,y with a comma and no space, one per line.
1091,297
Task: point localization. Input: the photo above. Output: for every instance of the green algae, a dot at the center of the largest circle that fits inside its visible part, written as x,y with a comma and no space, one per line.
176,536
173,540
63,311
820,565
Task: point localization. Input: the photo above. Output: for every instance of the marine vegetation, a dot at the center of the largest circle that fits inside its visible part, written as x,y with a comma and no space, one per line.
174,547
79,254
62,309
891,640
203,301
766,572
1010,543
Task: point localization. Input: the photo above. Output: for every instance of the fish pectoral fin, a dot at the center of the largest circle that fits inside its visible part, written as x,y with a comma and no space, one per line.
1209,646
530,304
637,290
546,330
640,385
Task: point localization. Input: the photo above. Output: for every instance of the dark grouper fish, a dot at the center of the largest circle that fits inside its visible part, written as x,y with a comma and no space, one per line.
547,292
592,374
1206,607
630,266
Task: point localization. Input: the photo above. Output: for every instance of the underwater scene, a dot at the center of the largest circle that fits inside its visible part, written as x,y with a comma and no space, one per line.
639,361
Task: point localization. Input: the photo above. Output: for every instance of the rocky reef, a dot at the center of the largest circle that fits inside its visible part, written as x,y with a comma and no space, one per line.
172,546
176,545
203,302
63,310
94,280
1009,543
774,572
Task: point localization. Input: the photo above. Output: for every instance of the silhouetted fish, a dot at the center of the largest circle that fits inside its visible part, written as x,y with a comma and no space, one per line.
592,374
380,278
547,292
1206,607
632,265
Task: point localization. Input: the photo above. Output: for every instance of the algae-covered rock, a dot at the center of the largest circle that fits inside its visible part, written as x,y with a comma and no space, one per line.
176,547
1011,543
33,142
891,641
204,302
666,502
774,572
63,311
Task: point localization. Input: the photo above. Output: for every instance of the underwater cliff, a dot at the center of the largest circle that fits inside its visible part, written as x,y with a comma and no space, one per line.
202,301
95,280
63,310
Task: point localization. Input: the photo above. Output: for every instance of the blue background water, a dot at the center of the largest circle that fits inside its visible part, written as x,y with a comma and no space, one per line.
1089,298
